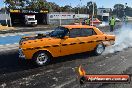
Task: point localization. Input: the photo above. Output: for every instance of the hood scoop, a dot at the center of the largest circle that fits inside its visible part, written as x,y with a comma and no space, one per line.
39,36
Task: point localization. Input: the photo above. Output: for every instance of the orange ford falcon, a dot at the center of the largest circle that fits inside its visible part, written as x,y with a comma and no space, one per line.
64,40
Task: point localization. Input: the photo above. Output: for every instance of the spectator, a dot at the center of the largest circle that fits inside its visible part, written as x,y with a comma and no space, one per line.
87,21
112,24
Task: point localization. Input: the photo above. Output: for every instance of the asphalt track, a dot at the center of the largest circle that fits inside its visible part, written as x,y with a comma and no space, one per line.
61,73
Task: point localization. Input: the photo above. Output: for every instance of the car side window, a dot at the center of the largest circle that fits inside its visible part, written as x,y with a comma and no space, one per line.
87,32
59,32
75,32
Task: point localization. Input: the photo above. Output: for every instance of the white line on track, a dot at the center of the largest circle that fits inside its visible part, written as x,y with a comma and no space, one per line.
23,33
16,43
65,83
1,45
8,44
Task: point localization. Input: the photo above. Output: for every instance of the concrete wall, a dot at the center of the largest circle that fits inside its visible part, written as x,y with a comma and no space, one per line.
66,17
129,18
63,21
3,18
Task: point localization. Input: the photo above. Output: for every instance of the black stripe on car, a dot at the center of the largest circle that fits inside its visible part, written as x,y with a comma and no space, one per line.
64,44
72,43
55,45
81,42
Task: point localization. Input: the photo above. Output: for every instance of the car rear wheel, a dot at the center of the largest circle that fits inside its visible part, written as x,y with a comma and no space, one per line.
99,49
41,58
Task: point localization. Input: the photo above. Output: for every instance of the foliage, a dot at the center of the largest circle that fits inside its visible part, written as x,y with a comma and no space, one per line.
118,10
66,8
128,11
51,6
90,8
14,4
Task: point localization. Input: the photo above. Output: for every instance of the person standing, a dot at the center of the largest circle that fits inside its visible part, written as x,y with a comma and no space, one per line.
112,24
125,20
87,21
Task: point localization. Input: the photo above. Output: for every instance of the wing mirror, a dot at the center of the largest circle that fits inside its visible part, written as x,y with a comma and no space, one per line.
66,37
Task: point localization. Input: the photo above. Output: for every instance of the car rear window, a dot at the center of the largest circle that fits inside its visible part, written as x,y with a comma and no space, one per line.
88,32
81,32
75,33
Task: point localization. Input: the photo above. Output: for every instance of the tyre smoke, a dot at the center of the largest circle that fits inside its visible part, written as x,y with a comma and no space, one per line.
123,39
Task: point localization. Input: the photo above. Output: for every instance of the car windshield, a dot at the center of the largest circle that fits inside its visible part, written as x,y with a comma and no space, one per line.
59,32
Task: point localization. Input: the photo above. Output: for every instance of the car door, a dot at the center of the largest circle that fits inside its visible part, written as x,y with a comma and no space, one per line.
54,46
56,37
88,39
71,45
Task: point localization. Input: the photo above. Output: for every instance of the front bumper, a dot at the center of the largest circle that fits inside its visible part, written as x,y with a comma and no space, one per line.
31,23
21,55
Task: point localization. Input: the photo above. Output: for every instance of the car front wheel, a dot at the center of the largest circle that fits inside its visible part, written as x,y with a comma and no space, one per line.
99,49
41,58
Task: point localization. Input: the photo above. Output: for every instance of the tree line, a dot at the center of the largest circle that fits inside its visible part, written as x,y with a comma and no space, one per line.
51,6
119,9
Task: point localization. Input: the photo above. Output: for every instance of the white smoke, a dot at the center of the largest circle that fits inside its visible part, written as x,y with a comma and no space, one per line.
103,24
123,40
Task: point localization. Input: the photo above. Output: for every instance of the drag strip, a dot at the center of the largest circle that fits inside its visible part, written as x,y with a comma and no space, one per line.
61,73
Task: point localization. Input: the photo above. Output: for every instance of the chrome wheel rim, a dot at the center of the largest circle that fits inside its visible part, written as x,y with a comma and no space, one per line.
100,49
42,58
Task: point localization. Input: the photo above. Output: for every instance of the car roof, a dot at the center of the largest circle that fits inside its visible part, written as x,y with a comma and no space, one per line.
77,26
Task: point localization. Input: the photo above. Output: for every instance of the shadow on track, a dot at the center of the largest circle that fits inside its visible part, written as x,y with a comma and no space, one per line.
9,61
12,69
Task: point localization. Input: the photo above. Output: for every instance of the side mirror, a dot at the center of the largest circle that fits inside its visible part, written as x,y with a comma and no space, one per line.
66,37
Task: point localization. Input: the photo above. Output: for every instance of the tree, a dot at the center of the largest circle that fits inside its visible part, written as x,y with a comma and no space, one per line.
83,9
2,10
90,8
51,6
118,10
66,8
26,4
75,9
42,4
128,11
38,4
15,4
54,7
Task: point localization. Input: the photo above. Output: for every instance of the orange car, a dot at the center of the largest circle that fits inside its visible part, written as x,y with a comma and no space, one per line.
64,40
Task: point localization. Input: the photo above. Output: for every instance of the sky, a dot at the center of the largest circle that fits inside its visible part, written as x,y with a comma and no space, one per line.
100,3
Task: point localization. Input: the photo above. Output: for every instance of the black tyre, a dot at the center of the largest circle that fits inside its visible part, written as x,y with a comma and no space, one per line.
99,49
41,58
